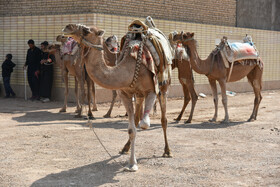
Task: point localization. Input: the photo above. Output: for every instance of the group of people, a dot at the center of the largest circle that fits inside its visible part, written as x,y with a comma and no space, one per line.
39,65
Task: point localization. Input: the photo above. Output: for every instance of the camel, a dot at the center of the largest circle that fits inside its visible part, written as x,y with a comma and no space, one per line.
72,64
111,54
214,68
185,76
129,77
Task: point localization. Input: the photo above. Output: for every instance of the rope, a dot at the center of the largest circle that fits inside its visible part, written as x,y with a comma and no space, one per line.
99,140
138,63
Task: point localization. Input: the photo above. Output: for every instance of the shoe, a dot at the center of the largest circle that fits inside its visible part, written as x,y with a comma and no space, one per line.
46,100
13,95
7,96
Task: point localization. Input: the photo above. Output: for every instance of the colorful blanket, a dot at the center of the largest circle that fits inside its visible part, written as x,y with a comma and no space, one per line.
239,51
70,47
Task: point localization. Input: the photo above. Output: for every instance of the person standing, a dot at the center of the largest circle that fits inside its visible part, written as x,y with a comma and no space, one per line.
7,69
33,58
46,73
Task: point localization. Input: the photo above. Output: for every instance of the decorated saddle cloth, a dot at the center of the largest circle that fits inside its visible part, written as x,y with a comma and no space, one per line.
239,51
70,47
157,53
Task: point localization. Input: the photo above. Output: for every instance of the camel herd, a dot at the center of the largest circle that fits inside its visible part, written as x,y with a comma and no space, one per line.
98,61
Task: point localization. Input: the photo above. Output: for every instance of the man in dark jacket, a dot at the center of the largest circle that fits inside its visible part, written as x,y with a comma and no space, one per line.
7,69
33,58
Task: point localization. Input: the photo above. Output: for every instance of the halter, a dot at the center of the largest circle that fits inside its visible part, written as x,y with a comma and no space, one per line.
89,44
187,39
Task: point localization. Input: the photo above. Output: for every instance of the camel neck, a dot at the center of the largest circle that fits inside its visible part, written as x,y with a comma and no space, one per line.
116,77
198,65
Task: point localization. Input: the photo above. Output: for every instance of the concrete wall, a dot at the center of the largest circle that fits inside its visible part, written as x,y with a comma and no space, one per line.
258,14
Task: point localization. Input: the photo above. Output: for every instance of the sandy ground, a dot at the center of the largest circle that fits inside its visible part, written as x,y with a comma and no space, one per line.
41,147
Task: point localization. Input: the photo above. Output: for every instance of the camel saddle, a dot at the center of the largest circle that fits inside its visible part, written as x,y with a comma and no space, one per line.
237,51
157,53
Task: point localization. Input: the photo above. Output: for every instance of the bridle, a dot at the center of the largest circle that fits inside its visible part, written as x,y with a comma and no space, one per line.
91,45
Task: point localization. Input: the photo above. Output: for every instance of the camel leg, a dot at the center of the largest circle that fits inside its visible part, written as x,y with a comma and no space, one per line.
138,109
108,114
66,90
149,103
127,101
215,98
224,99
78,110
89,84
94,107
194,98
254,78
80,78
162,102
155,109
138,114
187,99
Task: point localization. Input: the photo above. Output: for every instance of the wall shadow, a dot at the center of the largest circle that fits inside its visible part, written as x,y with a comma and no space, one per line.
209,125
95,174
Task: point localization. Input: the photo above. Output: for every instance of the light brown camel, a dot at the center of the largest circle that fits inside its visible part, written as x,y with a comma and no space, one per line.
214,68
71,64
185,76
121,78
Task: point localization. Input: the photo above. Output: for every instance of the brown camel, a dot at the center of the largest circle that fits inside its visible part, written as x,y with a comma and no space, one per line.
72,64
129,77
185,76
214,68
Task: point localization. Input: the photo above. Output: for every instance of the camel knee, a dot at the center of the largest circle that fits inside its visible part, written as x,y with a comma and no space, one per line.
224,101
194,98
131,133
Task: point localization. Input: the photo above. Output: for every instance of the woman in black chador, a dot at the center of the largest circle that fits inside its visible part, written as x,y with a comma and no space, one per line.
46,73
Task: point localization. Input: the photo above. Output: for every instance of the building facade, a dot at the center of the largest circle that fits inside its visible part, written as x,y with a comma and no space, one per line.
210,20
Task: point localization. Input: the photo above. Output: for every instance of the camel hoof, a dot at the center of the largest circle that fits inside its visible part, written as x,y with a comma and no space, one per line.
94,109
107,116
131,168
250,120
212,120
225,121
90,117
167,155
62,110
188,121
177,120
145,123
123,152
78,116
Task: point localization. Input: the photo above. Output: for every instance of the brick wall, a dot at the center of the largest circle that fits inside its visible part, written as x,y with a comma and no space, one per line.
215,12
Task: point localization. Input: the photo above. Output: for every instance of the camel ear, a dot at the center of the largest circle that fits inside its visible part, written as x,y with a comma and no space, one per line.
192,34
100,33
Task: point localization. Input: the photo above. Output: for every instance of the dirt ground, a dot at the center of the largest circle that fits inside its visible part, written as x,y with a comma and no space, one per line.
41,147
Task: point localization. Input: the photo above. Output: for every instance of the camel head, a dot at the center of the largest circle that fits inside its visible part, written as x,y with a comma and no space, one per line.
61,38
81,32
170,38
183,38
53,48
112,43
